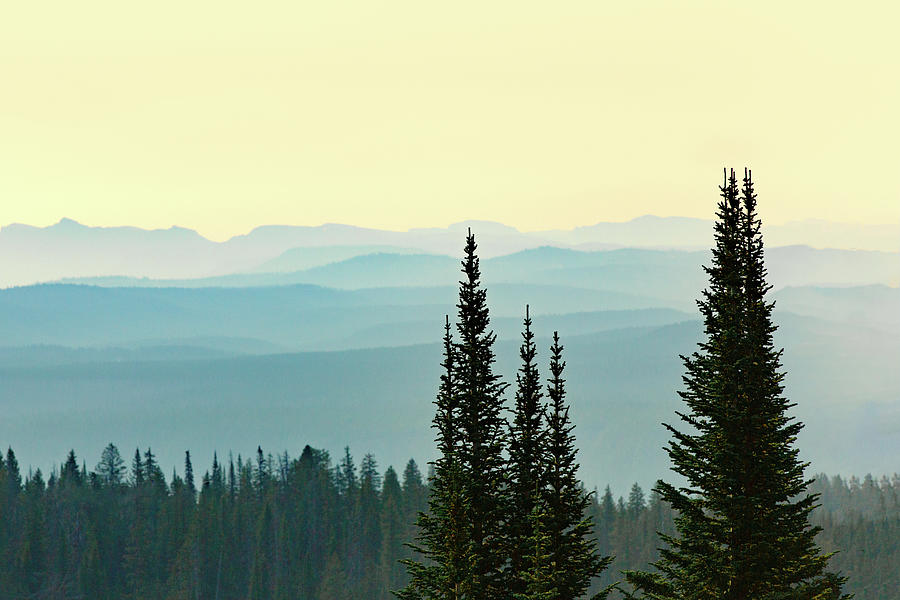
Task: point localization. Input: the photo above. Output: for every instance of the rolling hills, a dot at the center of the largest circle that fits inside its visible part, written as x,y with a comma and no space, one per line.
622,384
327,336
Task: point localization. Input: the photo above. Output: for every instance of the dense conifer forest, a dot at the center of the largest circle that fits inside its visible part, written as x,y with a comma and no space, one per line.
310,527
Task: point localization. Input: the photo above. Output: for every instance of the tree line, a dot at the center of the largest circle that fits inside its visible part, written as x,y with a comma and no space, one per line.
267,528
337,529
502,514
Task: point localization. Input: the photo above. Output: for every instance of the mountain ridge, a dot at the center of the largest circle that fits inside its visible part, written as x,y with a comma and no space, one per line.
30,254
633,270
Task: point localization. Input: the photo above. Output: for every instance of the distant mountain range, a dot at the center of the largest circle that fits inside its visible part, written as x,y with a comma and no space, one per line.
679,232
286,318
651,278
71,250
308,317
328,336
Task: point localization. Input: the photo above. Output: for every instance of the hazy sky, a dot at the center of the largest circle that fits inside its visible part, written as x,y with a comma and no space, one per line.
222,115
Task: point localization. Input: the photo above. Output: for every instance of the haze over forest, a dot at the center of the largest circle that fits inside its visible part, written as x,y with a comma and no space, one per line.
224,244
329,336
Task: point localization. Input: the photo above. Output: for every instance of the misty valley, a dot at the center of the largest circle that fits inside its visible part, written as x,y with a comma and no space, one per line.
327,347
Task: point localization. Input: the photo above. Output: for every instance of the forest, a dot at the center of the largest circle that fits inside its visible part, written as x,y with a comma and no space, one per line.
309,527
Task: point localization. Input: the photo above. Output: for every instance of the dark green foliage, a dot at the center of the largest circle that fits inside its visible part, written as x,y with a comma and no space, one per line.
507,514
263,576
442,531
334,581
280,536
111,468
462,537
527,441
393,535
482,431
189,474
538,570
34,556
743,519
861,522
137,468
860,518
569,528
369,538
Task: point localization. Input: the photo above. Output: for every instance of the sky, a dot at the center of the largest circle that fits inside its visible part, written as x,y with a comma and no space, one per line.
222,116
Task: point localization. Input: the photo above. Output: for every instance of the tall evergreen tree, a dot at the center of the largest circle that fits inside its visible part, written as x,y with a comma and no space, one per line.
11,547
527,439
189,475
111,467
569,529
261,473
369,525
34,552
442,537
137,469
463,536
154,476
743,519
415,492
393,529
70,473
483,436
636,500
606,516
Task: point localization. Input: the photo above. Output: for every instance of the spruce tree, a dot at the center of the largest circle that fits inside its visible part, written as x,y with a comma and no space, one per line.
572,546
636,503
442,531
34,558
137,469
743,527
463,537
261,473
369,538
189,475
70,474
415,494
390,572
606,511
111,468
527,438
10,522
350,538
483,432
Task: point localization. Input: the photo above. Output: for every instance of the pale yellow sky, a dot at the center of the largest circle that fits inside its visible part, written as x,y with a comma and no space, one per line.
221,116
